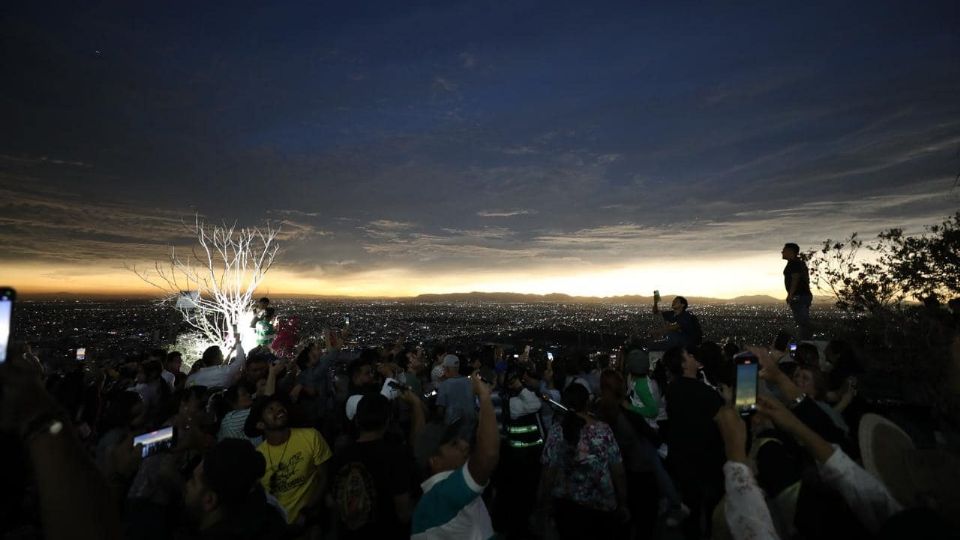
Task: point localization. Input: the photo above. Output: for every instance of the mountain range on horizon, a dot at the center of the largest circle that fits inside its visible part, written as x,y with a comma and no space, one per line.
560,298
477,297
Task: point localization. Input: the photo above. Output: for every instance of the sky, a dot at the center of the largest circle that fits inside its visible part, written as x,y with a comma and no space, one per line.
431,147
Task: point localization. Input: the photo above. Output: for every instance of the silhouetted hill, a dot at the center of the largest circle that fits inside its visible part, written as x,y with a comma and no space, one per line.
474,297
557,298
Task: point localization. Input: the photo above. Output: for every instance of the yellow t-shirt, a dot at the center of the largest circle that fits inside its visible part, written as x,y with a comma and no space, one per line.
292,468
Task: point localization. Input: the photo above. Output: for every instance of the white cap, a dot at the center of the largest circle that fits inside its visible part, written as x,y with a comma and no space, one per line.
352,403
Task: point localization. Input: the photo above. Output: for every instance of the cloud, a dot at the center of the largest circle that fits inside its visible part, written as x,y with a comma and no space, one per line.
505,213
741,87
296,213
390,225
520,151
43,160
468,60
450,247
36,225
296,231
590,160
444,84
608,158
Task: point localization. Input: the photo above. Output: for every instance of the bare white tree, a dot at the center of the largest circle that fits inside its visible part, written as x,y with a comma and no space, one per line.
213,286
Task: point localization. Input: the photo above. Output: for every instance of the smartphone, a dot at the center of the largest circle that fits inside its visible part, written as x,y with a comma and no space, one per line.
748,376
346,321
156,441
82,353
430,394
549,356
7,296
793,348
553,402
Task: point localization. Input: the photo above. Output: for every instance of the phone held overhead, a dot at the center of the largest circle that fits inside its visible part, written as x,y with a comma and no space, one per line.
156,441
7,297
747,379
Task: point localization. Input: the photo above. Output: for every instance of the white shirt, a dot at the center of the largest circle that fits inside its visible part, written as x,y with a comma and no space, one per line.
526,402
746,510
866,496
219,376
169,377
747,514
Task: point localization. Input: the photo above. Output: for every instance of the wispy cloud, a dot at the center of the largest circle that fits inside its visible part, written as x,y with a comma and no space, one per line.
752,84
505,213
468,60
444,84
296,213
67,229
460,150
390,225
520,150
43,160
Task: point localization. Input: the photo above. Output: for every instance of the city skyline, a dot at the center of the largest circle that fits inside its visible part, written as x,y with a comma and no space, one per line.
456,147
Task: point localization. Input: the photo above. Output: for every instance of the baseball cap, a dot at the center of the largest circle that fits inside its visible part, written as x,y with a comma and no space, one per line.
451,361
638,362
433,436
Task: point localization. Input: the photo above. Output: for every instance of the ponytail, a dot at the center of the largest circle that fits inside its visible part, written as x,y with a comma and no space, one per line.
572,425
576,398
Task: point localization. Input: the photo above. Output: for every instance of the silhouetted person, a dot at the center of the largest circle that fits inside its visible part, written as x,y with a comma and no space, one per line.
796,279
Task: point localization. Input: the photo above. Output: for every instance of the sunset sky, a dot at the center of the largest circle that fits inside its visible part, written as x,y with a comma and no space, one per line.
472,146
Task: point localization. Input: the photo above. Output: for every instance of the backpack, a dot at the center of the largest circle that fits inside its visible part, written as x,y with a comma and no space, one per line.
355,496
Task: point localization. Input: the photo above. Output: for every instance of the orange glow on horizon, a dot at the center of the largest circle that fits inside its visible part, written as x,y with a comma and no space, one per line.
720,278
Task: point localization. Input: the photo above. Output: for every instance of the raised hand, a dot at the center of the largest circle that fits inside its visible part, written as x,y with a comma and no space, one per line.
480,388
734,433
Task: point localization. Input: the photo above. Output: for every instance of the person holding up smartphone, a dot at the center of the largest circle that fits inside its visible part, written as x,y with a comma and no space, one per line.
75,499
7,297
458,475
681,328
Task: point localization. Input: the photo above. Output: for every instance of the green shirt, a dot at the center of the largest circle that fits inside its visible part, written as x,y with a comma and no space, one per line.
642,401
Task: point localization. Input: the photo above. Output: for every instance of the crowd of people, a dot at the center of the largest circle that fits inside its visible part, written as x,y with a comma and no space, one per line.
312,440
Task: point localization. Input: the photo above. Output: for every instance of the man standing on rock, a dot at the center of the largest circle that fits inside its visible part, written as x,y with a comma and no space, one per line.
796,279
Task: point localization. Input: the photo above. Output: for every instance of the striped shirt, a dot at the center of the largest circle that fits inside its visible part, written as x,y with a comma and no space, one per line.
451,508
231,427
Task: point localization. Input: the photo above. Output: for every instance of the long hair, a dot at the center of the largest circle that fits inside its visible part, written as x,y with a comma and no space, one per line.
576,398
613,390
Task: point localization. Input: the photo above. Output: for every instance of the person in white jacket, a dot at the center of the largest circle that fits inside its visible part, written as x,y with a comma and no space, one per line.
223,375
746,512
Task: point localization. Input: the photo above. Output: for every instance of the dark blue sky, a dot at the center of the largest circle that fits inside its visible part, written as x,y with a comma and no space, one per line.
446,141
